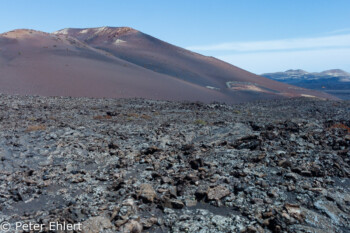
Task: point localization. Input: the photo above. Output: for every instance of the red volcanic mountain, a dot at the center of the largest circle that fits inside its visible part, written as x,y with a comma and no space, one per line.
121,63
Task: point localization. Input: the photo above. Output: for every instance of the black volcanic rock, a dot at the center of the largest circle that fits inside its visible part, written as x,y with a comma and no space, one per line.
64,159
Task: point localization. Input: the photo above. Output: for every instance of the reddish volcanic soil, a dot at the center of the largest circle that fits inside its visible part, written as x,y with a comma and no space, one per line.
123,63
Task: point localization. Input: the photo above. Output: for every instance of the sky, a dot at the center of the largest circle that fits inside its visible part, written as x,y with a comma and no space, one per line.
256,35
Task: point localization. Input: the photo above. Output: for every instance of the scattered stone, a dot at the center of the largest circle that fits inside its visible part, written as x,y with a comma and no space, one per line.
147,193
190,203
132,227
96,224
277,166
218,193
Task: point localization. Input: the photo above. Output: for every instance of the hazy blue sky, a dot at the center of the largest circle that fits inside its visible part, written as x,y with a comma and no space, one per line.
257,35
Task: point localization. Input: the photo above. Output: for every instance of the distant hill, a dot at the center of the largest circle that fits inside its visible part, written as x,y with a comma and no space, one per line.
335,81
121,62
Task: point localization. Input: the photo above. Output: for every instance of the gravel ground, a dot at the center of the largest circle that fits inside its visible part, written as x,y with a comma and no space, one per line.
156,166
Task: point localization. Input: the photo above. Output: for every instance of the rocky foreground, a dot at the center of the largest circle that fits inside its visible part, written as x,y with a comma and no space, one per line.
156,166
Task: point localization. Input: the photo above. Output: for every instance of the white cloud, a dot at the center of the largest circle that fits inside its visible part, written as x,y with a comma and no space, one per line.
336,41
340,31
309,60
311,54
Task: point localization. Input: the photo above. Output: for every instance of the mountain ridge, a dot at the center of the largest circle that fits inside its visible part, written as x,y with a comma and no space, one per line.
121,62
333,81
302,74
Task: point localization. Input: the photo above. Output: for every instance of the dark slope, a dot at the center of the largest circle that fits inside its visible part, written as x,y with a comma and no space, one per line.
123,63
156,55
39,63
